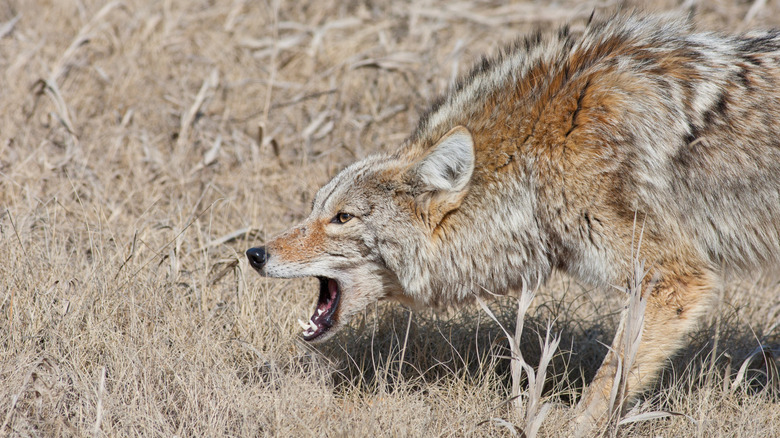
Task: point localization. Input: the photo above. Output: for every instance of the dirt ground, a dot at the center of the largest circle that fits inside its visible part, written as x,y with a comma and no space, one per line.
145,145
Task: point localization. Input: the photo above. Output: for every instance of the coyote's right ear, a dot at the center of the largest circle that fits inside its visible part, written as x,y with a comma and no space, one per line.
443,175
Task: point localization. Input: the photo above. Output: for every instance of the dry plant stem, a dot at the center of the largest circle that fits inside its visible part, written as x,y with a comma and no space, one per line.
209,84
99,415
8,26
631,334
536,411
526,298
532,411
403,349
63,65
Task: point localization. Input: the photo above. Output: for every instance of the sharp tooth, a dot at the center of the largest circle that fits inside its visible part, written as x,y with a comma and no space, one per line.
312,325
303,324
319,312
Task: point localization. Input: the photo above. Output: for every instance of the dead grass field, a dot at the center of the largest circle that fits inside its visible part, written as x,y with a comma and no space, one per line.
145,145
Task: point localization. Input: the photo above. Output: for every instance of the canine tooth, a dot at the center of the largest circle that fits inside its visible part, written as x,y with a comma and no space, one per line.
320,312
303,324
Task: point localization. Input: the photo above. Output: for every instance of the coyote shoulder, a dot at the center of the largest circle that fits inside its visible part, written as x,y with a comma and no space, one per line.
549,156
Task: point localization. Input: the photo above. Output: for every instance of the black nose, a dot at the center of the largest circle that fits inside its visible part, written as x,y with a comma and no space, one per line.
257,257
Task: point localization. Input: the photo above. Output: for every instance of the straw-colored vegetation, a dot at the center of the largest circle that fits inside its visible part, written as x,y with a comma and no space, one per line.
144,145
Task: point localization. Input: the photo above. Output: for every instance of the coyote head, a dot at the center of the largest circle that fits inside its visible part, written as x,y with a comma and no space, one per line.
370,230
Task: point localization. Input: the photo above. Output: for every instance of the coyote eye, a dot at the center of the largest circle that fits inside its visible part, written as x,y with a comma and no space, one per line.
341,218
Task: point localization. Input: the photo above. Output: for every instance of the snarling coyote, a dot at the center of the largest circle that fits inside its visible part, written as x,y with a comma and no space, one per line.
546,157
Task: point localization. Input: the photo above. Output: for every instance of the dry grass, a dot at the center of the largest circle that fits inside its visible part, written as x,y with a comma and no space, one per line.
145,145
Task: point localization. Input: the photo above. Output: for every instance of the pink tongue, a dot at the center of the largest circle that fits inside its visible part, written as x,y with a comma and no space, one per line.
333,288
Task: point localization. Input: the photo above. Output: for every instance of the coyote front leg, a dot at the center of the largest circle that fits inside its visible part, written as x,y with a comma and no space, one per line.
675,301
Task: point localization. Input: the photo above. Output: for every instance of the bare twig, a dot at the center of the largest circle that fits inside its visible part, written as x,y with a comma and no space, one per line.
99,414
230,265
403,349
8,26
209,84
129,256
229,237
753,11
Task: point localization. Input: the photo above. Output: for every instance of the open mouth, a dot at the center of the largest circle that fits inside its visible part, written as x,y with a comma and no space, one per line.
327,306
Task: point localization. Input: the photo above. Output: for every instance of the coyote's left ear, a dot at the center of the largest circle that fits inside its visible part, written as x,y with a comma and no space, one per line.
443,175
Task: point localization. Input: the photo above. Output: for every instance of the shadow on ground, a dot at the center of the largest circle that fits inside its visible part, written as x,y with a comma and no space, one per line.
466,345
